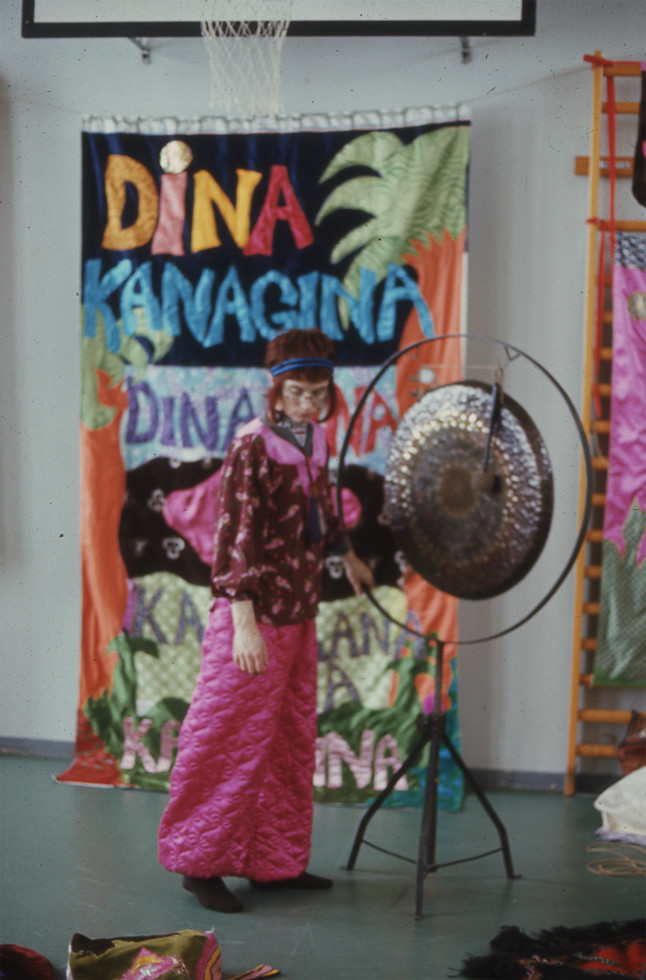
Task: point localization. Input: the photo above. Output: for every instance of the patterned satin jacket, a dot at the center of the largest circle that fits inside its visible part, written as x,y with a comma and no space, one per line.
265,548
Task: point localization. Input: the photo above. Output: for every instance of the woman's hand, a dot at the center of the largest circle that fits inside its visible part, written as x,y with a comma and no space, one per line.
357,572
249,649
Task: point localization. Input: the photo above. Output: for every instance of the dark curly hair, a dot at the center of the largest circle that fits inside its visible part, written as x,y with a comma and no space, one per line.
311,342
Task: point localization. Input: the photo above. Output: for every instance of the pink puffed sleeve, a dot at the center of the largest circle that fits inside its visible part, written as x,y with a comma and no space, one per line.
191,513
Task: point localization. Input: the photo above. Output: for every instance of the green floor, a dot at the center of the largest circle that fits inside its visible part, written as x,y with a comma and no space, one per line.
81,859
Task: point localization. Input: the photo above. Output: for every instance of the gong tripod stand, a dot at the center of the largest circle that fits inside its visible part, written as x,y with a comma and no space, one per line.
496,475
432,728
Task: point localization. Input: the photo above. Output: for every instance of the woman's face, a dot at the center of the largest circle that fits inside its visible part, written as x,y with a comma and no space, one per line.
302,401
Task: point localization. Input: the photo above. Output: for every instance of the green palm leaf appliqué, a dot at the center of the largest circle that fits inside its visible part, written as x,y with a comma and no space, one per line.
621,642
419,191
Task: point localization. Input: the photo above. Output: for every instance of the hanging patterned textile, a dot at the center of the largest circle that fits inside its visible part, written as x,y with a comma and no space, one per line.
198,245
621,638
639,162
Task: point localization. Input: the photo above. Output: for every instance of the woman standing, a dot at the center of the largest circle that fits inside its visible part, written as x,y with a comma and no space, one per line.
241,788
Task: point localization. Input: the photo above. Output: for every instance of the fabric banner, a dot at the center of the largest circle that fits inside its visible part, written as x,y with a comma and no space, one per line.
621,638
199,244
639,160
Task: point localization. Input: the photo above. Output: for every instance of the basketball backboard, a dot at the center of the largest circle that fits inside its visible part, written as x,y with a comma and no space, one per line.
181,18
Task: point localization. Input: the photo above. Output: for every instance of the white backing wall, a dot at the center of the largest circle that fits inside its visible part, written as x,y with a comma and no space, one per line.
530,100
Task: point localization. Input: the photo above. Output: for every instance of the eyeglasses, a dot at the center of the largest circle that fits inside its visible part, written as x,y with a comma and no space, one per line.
296,394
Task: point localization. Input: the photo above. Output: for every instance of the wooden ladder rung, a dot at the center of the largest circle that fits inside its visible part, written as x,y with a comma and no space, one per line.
605,716
624,108
591,608
591,751
598,500
599,463
604,225
624,166
626,69
592,571
594,537
602,426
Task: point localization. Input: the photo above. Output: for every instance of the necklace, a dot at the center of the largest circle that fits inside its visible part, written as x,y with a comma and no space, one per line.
299,430
300,433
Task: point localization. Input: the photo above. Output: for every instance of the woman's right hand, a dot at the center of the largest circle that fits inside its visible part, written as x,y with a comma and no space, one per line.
249,651
249,648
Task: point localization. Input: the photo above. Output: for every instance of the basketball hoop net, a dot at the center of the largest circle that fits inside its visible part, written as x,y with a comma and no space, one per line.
244,55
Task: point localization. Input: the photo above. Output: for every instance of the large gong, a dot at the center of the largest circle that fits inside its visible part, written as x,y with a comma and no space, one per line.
469,490
468,484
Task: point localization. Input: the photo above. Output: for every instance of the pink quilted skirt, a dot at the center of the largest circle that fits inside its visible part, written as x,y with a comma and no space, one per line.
241,788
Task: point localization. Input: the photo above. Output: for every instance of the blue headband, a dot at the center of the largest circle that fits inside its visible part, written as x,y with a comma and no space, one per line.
301,362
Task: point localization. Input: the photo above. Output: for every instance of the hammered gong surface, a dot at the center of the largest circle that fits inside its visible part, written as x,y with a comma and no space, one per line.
468,542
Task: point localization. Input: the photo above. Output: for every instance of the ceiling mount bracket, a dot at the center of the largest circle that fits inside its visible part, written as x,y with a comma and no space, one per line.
145,50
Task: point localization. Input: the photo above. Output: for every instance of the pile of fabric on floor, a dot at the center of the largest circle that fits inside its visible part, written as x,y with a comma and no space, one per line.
623,809
188,954
612,950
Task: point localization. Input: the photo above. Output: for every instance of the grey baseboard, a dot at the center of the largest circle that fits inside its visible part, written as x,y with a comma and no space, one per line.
487,779
592,784
518,779
586,784
40,747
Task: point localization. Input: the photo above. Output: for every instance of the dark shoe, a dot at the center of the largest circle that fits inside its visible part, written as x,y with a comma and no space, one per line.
213,894
306,881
